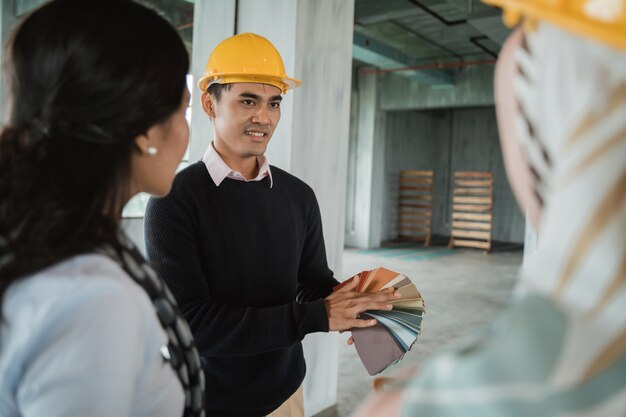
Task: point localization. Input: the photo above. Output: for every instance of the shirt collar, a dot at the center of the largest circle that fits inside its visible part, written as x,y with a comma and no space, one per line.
219,170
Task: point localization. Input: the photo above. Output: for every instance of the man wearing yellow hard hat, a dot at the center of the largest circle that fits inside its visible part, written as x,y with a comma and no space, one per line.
239,243
560,349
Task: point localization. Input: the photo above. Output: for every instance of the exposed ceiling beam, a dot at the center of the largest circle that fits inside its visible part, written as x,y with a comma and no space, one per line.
378,54
446,50
491,25
374,11
468,6
485,18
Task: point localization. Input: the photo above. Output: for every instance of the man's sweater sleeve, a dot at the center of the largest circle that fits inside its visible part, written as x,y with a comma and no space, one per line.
315,279
219,330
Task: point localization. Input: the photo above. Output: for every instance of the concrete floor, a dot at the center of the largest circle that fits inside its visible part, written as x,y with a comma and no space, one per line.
463,290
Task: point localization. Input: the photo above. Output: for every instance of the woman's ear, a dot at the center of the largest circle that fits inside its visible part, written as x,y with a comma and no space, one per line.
143,145
208,104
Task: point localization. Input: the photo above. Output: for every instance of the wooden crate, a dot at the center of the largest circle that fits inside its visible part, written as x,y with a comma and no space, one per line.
472,210
415,208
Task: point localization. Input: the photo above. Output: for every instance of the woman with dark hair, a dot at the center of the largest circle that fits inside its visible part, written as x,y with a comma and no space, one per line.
97,98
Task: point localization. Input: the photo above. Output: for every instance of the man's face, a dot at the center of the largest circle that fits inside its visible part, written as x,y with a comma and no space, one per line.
244,118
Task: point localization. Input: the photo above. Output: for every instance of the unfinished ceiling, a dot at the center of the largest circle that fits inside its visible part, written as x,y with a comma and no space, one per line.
426,39
178,12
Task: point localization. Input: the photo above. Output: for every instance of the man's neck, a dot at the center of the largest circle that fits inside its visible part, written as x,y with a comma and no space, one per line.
247,166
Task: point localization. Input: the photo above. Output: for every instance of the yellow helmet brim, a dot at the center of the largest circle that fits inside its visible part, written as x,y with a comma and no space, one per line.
604,25
283,83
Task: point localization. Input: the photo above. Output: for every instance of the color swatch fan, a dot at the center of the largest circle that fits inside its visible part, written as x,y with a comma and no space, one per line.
396,330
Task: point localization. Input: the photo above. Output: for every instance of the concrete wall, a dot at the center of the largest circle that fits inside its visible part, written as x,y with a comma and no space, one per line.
365,165
388,134
415,140
473,87
447,141
24,6
476,147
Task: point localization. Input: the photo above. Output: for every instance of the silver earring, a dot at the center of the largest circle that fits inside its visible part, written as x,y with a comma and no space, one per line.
152,151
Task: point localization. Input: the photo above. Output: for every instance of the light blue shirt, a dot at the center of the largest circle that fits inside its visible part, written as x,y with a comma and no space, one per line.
82,339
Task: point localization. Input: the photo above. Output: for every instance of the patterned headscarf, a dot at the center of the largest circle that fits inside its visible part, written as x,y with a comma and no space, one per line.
560,349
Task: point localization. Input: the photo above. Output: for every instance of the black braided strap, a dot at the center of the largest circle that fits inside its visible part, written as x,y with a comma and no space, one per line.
181,352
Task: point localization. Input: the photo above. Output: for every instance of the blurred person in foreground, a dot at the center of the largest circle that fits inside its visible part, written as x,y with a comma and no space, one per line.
560,348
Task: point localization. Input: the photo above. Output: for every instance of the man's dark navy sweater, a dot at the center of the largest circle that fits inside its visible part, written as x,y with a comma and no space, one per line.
247,265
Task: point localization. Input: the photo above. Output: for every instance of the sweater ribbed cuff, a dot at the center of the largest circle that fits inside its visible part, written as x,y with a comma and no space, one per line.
311,317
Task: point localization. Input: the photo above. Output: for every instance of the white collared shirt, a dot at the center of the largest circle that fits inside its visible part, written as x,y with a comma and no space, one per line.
219,170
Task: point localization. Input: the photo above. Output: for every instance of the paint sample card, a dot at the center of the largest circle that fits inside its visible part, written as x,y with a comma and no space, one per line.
409,291
398,282
364,276
396,331
415,303
343,284
403,334
378,278
376,348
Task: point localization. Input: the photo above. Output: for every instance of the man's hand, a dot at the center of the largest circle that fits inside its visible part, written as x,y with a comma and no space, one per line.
344,306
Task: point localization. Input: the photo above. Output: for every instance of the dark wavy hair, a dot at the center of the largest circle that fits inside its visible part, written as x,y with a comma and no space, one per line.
85,78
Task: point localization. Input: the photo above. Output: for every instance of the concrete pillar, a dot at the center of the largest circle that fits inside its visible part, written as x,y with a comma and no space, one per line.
213,21
314,38
21,7
366,175
7,22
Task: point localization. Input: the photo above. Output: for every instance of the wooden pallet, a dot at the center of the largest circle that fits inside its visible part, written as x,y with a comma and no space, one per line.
415,210
472,210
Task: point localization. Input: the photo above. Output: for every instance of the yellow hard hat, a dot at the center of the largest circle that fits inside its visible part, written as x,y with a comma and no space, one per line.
246,58
602,20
